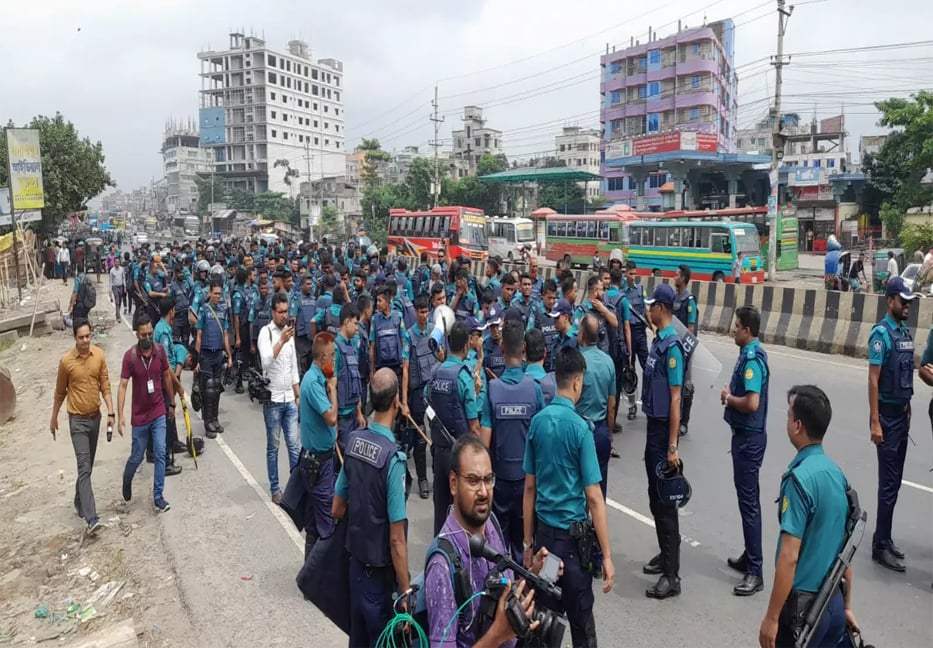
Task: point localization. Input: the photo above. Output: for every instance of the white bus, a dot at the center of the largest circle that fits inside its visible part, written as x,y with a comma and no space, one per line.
509,236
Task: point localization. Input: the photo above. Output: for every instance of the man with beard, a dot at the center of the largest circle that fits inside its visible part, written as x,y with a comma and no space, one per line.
471,481
890,387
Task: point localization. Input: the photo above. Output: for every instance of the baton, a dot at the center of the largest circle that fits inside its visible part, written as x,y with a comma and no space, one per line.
339,454
419,430
194,452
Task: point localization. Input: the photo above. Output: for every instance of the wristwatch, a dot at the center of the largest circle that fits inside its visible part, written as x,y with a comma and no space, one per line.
672,447
528,546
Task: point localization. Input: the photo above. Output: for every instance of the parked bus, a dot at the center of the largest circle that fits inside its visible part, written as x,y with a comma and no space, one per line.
192,225
461,230
708,247
573,238
510,238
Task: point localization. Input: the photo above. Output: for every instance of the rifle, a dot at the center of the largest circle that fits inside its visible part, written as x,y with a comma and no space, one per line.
855,526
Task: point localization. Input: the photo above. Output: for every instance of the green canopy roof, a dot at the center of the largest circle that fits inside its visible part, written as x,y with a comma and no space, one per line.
529,174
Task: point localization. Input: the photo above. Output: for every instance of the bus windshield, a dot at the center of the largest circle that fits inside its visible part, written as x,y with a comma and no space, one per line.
525,232
473,233
746,241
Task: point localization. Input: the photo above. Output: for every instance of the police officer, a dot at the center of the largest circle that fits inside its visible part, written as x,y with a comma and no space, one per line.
346,367
328,318
244,294
890,387
563,324
685,309
388,336
560,487
182,293
370,495
493,360
302,308
812,511
534,364
317,408
418,365
364,304
539,319
259,315
212,342
597,403
640,323
462,299
746,411
661,387
593,304
452,395
507,412
621,336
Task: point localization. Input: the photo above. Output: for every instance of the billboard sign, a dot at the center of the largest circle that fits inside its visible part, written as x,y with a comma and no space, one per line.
25,168
664,143
805,177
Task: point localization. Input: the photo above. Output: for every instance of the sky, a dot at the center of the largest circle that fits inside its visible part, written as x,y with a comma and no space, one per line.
119,70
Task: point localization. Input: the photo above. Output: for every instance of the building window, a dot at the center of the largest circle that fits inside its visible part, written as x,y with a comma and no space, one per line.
642,63
288,82
272,114
654,57
315,123
284,117
653,122
327,142
274,133
314,74
326,126
695,81
337,127
284,134
273,78
306,87
316,140
695,114
615,97
642,92
831,163
325,108
306,70
561,148
615,68
314,90
816,163
654,90
336,111
301,138
656,180
336,80
301,121
315,107
271,60
336,96
272,96
695,49
337,144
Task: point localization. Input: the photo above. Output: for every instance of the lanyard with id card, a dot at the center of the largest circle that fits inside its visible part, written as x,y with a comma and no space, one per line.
150,384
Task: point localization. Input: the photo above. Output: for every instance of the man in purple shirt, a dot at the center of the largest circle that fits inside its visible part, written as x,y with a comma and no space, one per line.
471,486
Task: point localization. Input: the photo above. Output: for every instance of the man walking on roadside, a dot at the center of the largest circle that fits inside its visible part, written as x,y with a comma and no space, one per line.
146,365
83,378
117,285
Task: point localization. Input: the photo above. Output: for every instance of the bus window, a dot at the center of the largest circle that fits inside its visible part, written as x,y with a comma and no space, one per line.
445,227
603,230
509,232
703,237
590,229
419,225
551,228
614,232
581,229
673,237
560,228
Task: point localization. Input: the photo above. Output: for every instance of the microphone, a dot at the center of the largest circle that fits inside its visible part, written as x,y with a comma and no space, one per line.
478,549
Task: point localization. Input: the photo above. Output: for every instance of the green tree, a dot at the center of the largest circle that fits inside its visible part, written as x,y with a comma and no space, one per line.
565,197
73,170
374,155
329,225
290,173
917,237
377,201
277,206
419,181
211,190
893,219
489,164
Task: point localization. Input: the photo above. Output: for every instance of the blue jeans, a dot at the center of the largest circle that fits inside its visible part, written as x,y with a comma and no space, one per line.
141,434
284,416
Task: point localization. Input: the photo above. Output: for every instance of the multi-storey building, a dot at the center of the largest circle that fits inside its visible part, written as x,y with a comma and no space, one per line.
260,106
759,138
578,148
473,141
182,160
685,82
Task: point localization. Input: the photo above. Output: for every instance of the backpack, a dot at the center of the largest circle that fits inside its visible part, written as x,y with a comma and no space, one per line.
87,294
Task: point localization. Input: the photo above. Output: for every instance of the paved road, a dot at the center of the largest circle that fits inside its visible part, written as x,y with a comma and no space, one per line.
222,530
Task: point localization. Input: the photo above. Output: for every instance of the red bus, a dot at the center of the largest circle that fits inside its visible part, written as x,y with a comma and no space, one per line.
461,230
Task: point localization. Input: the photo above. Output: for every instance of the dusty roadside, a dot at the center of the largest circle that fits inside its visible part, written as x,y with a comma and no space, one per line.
55,585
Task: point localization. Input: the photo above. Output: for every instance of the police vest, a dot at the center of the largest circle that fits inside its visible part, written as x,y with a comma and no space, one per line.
248,295
445,399
421,362
681,303
403,306
617,348
180,292
307,306
156,282
546,325
349,387
465,307
493,358
523,309
896,383
754,422
548,386
655,390
263,315
559,343
603,340
212,336
332,321
636,299
367,460
512,407
388,340
363,332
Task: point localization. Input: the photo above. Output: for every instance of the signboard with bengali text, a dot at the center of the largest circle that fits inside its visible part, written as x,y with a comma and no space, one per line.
25,168
664,143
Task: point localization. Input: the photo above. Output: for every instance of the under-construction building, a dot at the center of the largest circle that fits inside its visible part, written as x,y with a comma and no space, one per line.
183,159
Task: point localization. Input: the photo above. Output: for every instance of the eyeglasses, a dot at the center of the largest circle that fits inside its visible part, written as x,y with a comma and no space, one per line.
475,481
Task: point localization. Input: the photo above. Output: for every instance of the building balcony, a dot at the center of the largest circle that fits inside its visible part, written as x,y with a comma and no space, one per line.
659,104
697,99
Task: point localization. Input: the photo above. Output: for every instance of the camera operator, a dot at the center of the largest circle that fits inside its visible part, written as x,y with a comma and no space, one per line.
471,482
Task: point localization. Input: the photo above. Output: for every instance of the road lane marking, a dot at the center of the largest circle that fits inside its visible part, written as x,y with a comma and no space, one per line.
644,519
790,356
917,486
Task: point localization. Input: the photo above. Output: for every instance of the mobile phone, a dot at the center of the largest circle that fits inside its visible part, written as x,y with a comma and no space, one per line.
291,322
551,568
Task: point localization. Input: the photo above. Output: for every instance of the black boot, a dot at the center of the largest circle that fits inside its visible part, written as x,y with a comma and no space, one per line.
686,406
207,413
217,425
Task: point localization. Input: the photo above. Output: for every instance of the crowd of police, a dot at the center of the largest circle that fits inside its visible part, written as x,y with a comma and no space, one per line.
520,389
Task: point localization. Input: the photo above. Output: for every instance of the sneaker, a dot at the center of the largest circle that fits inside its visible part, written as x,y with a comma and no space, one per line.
277,497
172,469
161,506
127,490
93,526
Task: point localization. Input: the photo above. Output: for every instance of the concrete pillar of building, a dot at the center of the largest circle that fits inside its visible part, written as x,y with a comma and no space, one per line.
640,177
678,173
732,187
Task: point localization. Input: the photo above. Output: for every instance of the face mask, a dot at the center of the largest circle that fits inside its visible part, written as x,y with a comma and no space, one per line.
145,344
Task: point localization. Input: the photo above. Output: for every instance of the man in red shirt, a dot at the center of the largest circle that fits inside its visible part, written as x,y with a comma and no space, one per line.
146,365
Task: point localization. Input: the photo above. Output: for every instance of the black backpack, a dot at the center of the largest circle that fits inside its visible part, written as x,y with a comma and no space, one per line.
87,294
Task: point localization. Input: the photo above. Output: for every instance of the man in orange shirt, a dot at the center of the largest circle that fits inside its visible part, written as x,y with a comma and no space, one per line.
83,378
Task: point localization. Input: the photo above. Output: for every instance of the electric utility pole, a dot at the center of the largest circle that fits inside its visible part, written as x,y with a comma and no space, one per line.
308,168
777,140
437,122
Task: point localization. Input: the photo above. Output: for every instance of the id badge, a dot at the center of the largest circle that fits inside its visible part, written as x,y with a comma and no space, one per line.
150,386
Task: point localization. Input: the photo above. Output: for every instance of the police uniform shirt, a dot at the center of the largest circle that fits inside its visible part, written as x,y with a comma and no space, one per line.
756,372
471,360
599,383
320,317
624,310
316,434
338,362
675,358
536,371
466,393
691,312
511,376
239,303
561,451
879,346
395,479
813,507
162,334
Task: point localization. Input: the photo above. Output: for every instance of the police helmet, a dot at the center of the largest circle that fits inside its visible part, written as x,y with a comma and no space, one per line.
673,487
203,266
629,380
372,252
217,269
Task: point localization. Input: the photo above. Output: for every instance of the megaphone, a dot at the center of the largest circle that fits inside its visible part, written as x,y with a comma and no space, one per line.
443,320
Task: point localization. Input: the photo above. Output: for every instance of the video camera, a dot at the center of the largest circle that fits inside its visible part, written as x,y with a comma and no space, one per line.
550,630
258,386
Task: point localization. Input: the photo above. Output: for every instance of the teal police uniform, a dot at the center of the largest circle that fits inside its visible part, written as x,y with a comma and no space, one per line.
561,454
598,386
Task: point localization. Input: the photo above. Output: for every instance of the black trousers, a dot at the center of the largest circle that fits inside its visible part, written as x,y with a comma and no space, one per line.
666,521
